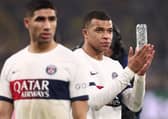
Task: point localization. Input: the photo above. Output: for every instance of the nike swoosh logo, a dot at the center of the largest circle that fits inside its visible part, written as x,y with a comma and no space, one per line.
93,73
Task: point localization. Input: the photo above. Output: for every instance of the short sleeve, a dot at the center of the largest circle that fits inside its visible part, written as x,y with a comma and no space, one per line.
5,93
80,81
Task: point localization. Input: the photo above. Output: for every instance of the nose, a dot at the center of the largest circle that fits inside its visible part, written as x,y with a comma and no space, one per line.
47,25
107,35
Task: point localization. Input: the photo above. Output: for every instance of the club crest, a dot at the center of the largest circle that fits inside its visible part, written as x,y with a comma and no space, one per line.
51,69
114,75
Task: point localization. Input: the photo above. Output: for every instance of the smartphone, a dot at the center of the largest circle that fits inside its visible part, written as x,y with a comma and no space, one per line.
141,35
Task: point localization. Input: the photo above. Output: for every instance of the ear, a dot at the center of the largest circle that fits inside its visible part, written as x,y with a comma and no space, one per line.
26,22
84,32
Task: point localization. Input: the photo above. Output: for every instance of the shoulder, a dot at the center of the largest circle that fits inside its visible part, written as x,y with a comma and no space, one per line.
16,56
68,54
114,64
13,59
65,52
112,61
62,48
80,54
78,51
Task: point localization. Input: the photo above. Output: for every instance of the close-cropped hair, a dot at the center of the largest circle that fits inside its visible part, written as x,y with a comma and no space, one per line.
101,15
34,5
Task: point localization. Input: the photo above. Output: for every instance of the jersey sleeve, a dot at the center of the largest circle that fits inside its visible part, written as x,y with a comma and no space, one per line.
5,93
133,97
79,82
104,96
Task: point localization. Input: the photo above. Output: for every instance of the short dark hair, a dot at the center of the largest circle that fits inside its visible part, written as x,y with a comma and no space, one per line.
34,5
101,15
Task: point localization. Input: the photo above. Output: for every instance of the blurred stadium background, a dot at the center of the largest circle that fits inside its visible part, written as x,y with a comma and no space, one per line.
125,13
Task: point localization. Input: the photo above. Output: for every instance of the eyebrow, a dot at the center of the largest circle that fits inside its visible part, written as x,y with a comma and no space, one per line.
43,18
102,28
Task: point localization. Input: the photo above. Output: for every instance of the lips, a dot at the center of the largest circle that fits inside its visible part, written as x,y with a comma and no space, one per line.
105,44
45,35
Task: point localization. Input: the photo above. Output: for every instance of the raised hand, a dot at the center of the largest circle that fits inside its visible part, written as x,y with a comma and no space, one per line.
150,56
140,61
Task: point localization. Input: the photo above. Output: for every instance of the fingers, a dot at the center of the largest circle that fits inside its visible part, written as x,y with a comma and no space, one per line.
146,66
141,60
142,71
130,53
143,50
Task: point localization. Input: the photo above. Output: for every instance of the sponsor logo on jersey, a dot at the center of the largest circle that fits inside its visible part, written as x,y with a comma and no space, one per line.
39,89
31,88
114,75
51,69
80,86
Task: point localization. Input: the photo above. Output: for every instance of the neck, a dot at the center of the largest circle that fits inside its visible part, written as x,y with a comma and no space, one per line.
94,53
42,47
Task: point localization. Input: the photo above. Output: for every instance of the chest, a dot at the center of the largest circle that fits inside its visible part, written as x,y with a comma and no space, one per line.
102,72
40,68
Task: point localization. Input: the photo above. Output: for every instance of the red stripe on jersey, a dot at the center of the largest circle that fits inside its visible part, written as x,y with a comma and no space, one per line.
99,87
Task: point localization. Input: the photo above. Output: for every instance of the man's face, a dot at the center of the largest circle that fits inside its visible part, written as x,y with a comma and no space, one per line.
42,25
98,34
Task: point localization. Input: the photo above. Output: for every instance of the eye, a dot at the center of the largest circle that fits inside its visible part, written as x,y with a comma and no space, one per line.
40,19
99,29
52,18
110,30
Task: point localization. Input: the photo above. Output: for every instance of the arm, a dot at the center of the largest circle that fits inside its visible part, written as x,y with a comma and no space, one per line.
133,97
137,63
78,90
6,101
79,109
99,98
6,110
